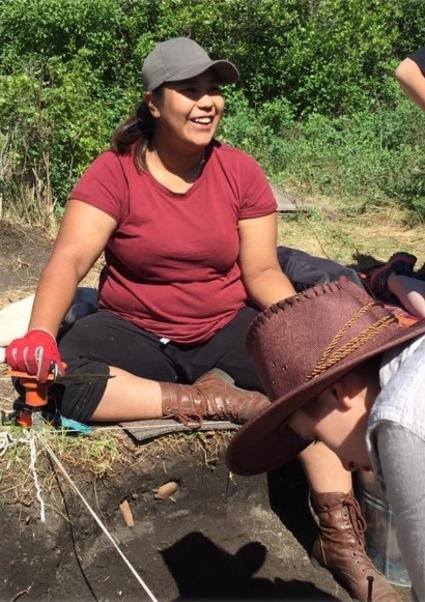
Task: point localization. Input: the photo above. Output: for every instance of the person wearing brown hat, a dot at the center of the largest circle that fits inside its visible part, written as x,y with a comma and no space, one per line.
355,382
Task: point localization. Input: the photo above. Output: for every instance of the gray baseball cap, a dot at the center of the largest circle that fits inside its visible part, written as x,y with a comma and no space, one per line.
182,58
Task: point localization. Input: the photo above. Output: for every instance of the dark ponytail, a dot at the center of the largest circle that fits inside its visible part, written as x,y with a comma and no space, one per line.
135,135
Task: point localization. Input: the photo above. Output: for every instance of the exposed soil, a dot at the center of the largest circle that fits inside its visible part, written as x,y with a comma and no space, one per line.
215,541
217,538
23,254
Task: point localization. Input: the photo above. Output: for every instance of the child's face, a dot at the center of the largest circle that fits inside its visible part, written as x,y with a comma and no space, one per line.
338,418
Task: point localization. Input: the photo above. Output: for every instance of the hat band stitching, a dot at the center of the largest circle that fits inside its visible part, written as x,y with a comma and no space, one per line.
346,327
369,333
330,358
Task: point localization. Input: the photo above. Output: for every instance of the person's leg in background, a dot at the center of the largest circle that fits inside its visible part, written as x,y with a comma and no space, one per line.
410,292
340,546
305,270
396,283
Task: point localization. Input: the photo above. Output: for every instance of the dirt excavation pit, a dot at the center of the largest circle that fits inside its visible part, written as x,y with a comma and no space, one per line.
215,538
218,537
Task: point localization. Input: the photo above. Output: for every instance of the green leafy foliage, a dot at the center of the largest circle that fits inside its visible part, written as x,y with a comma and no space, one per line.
318,105
366,158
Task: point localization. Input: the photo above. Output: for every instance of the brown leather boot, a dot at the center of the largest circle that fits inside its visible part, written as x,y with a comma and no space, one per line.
214,396
340,548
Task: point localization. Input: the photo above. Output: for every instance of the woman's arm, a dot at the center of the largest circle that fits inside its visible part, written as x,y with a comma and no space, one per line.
261,273
412,81
83,235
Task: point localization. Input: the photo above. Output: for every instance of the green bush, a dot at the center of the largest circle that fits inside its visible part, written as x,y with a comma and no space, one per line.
317,105
367,158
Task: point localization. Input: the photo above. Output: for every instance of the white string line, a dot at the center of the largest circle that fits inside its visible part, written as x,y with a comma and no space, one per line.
33,452
6,441
95,516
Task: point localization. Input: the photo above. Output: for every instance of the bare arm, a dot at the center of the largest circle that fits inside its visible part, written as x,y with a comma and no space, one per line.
261,272
83,235
412,81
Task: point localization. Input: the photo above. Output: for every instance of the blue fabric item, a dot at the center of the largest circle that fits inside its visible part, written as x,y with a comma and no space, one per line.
74,425
84,303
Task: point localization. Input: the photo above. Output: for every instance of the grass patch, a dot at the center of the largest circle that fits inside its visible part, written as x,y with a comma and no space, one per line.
100,455
105,454
368,160
329,232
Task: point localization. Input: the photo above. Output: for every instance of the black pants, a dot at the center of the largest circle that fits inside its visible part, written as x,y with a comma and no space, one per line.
102,339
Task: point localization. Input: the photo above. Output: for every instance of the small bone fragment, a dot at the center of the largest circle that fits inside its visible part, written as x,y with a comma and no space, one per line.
127,513
166,490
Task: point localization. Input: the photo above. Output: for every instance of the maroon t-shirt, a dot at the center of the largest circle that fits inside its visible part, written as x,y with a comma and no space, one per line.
171,264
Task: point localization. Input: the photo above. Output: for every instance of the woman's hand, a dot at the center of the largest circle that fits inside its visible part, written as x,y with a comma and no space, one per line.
36,353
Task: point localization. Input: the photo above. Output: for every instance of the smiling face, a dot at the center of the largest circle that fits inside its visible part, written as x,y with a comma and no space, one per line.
187,113
338,417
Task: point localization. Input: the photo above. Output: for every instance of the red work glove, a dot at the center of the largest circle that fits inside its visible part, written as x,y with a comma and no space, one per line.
36,353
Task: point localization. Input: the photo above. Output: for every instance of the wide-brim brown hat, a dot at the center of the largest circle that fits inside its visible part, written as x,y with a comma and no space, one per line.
300,347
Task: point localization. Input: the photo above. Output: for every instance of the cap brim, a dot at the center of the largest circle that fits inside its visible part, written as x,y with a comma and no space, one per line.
266,442
226,71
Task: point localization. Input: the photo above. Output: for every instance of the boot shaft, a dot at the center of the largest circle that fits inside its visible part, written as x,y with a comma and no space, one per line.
213,396
340,548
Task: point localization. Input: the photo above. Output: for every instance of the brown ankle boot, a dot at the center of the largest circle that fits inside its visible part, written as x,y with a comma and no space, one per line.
340,548
214,396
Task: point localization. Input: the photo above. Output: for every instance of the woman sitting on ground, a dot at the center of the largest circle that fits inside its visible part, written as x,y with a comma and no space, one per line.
189,230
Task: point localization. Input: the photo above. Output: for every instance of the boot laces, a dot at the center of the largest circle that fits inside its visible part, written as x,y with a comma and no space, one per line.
191,420
356,518
203,406
223,409
190,412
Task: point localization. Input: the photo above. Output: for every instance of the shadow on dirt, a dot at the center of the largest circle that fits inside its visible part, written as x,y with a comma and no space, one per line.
216,539
203,571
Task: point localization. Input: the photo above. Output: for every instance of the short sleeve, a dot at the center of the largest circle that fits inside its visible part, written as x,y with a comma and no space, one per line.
419,57
257,197
104,186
